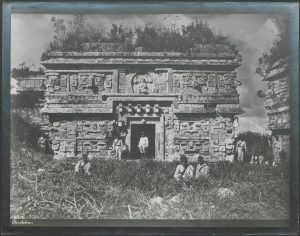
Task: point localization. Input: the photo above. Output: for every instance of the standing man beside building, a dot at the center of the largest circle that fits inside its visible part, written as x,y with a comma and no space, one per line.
143,145
276,150
117,146
241,150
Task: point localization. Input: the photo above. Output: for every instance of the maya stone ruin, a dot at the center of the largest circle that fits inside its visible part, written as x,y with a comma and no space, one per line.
185,102
277,103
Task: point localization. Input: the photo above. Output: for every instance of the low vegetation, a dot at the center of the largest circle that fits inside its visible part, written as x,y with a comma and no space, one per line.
69,36
43,188
280,50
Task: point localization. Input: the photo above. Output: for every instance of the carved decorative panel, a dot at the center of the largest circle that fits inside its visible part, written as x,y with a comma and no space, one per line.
88,83
193,129
149,83
93,129
200,146
193,87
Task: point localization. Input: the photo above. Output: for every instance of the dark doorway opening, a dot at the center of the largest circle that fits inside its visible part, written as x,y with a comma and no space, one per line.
136,130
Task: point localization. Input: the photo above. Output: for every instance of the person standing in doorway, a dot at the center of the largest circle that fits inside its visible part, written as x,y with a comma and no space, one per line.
143,145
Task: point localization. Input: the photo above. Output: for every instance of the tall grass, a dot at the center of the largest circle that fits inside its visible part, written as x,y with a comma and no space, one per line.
45,188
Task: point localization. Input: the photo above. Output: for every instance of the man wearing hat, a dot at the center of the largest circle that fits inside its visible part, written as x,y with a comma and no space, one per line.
202,169
143,145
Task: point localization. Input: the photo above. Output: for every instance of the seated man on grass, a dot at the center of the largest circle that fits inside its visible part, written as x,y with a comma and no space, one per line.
202,169
184,172
83,166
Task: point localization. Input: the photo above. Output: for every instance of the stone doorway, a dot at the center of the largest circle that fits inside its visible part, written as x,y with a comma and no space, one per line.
136,130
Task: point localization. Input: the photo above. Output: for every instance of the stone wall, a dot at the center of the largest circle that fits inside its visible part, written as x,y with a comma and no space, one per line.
191,100
277,103
210,136
74,137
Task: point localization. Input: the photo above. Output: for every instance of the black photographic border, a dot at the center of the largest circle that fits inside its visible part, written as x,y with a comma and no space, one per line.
150,227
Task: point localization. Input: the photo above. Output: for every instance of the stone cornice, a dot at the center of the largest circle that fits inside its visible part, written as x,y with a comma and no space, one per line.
134,61
153,60
141,55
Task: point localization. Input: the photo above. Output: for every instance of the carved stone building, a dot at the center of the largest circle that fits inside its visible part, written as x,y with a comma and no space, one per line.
277,103
185,102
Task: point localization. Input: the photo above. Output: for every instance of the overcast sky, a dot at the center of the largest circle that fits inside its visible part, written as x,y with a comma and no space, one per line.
253,34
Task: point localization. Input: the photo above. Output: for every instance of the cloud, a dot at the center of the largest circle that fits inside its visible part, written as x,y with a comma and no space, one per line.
30,36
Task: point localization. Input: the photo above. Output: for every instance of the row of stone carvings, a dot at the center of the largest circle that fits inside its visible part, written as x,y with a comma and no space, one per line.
141,83
79,82
192,83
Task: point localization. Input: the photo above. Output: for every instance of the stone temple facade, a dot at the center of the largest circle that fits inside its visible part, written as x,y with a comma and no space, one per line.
184,102
277,103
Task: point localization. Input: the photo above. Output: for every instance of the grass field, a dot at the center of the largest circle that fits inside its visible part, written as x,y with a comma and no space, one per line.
43,188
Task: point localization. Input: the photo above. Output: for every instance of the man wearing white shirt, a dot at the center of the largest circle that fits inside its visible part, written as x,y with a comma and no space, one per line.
143,145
